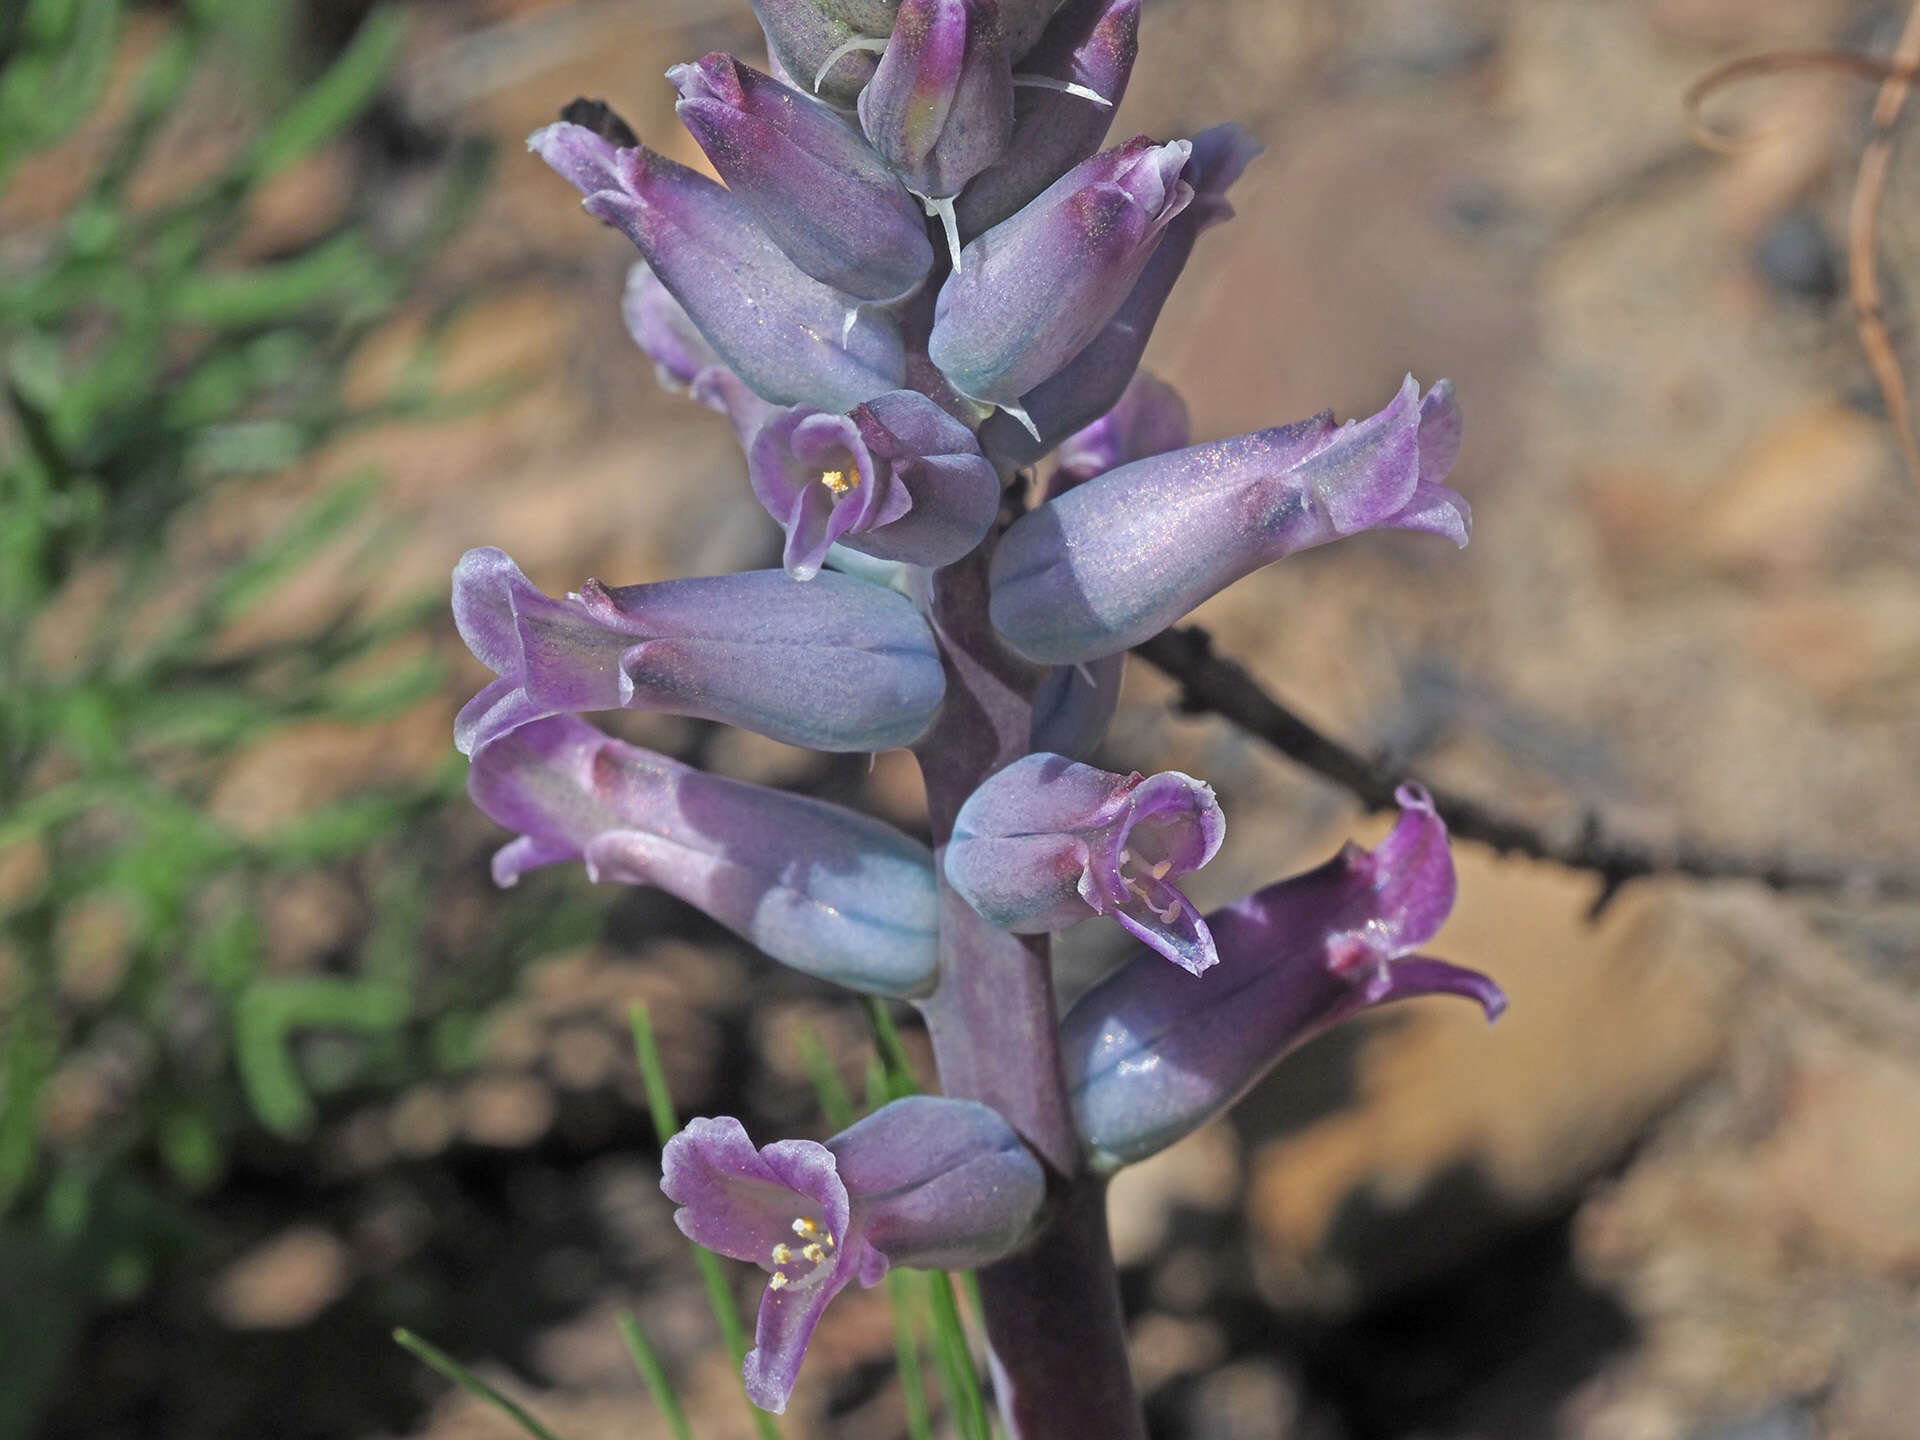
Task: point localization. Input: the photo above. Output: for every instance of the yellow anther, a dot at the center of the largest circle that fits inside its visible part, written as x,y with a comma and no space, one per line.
838,481
776,1281
782,1254
827,1240
1159,872
815,1253
806,1227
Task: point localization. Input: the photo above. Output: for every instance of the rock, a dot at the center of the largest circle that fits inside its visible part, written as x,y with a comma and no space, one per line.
285,1282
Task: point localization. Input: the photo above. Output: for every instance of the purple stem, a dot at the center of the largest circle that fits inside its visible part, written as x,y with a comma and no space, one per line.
1052,1312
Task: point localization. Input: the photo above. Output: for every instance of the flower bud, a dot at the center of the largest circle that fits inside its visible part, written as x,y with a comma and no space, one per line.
1151,419
940,107
898,479
835,665
924,1181
1075,704
792,339
1023,21
1088,51
1031,292
866,17
816,188
1092,382
1117,560
815,886
1152,1055
814,45
1046,842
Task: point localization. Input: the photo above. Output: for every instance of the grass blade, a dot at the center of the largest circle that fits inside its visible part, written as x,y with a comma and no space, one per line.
960,1380
647,1361
906,1350
459,1374
666,1124
835,1103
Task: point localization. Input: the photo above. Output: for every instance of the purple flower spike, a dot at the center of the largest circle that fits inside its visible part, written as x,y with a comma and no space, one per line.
1085,58
1047,842
818,49
1119,559
924,1181
1092,383
1032,292
815,886
1151,1056
792,339
818,190
1151,419
940,107
898,479
836,665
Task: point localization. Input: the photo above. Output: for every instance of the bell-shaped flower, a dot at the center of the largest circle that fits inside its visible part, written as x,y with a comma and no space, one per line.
1115,561
1151,419
1092,382
792,339
1030,293
1047,842
815,886
1075,704
1066,92
1151,1055
815,45
923,1182
898,479
940,107
664,331
836,665
817,189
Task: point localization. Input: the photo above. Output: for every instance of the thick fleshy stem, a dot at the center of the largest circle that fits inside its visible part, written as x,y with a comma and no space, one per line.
1052,1312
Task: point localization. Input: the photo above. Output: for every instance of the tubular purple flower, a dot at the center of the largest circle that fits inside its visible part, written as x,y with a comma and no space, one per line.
898,479
1088,50
792,339
1151,1056
1032,292
815,886
815,46
1092,382
1074,706
1115,561
1151,419
940,107
836,665
817,189
923,1182
1046,842
664,331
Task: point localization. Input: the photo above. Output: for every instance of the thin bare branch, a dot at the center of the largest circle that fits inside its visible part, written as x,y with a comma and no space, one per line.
1863,270
1212,684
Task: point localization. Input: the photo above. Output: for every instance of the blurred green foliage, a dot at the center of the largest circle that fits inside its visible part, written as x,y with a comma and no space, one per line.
152,371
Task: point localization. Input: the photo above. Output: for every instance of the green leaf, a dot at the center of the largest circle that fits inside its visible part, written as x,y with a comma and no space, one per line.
339,273
459,1374
267,1015
333,101
653,1372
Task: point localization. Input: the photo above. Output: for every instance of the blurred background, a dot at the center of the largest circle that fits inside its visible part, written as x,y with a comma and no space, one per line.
290,319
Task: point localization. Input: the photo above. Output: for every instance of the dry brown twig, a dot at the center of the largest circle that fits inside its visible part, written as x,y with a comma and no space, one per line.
1212,684
1896,76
